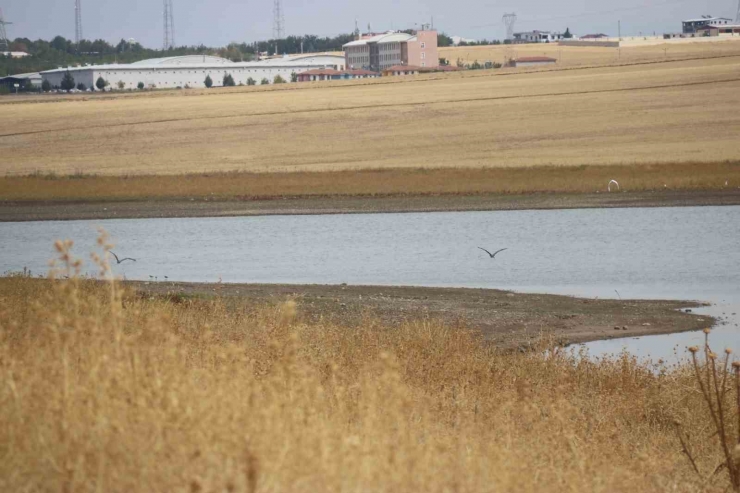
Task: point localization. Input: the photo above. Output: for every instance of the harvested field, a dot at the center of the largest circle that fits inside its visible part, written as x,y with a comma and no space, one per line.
579,56
665,113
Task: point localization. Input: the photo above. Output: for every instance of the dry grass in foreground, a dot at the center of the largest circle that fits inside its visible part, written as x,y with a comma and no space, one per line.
393,182
106,391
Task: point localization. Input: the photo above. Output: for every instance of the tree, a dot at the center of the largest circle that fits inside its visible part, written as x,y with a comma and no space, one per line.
208,82
293,77
278,80
121,85
443,40
567,34
100,83
68,82
264,81
228,80
46,86
81,86
251,82
140,85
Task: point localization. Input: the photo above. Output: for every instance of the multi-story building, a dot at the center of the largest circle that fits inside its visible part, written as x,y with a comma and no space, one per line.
690,26
378,52
537,37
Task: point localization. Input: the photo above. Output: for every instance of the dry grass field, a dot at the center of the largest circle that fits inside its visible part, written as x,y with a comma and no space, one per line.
373,183
111,391
578,56
657,113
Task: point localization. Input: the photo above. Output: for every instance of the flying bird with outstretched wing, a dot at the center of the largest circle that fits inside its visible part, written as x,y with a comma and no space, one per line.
118,261
492,255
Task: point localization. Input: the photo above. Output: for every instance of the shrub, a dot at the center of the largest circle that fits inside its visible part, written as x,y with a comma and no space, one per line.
81,86
278,80
140,85
68,82
46,86
293,77
101,83
264,81
121,85
228,80
208,82
251,82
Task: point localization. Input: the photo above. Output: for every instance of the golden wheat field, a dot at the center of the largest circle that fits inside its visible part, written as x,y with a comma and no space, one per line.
655,113
578,56
107,390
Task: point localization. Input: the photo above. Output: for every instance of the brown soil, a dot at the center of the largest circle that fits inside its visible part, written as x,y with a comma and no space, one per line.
511,320
58,211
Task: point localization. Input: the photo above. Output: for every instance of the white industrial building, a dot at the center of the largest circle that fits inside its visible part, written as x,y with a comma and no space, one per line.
537,37
192,70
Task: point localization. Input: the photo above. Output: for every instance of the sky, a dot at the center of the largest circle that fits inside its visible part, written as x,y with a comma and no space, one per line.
219,22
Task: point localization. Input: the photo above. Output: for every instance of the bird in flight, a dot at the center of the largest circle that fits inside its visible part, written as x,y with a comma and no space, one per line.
118,261
492,255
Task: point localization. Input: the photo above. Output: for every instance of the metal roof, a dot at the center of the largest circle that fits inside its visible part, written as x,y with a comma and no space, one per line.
32,75
216,64
389,37
708,19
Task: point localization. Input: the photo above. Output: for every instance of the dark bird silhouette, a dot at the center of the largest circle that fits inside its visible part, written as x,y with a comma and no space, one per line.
492,255
118,261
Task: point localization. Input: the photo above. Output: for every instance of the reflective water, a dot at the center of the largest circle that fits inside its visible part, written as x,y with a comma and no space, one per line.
680,253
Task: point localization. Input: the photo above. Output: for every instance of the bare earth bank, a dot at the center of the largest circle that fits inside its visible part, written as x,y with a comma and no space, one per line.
59,211
510,320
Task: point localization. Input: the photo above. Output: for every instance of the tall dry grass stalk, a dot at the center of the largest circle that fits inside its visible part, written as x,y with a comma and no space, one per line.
102,390
724,409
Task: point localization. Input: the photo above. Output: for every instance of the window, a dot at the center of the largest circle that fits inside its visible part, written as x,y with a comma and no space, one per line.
423,45
423,55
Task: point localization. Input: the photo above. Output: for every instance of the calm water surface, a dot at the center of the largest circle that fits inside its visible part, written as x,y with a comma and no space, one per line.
680,253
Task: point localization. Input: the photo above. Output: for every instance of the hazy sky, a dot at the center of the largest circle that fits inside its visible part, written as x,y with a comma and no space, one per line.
218,22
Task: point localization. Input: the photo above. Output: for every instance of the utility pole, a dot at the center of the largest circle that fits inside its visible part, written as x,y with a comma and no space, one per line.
78,23
4,44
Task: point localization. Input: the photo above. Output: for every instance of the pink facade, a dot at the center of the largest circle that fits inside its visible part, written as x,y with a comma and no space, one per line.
422,52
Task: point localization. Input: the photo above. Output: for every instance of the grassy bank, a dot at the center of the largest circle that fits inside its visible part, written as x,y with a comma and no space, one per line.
109,391
390,182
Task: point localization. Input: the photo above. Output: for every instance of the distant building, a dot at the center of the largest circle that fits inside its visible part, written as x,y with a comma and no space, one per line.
15,54
377,52
690,26
534,61
401,70
456,40
537,37
191,70
331,74
24,80
594,36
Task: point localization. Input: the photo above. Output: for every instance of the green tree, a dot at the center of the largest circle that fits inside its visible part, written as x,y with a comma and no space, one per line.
228,80
68,82
81,86
278,80
443,40
121,85
100,83
293,77
46,86
140,85
567,34
251,82
208,82
264,81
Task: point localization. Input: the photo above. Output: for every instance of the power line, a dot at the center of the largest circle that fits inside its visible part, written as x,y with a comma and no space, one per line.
278,20
78,23
3,35
169,26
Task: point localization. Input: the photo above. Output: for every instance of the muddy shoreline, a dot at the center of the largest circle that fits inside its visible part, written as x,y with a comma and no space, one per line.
508,319
62,211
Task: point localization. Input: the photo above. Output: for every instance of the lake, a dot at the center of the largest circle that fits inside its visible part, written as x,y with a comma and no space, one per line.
688,253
